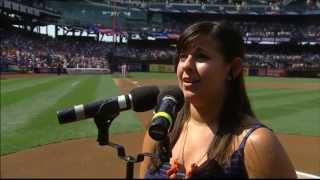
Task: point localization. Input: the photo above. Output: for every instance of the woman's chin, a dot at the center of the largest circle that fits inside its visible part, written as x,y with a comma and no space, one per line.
189,92
189,95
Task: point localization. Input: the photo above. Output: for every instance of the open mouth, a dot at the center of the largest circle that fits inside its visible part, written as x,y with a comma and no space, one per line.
189,82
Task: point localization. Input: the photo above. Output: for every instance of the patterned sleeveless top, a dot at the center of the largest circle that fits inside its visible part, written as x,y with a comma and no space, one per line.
210,168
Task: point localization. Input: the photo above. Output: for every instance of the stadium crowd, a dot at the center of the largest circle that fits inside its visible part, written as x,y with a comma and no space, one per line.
154,54
296,32
39,51
30,51
287,61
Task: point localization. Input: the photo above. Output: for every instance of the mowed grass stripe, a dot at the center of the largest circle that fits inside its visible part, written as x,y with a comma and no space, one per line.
16,115
126,121
255,93
43,128
285,111
282,80
20,94
10,81
308,98
273,97
301,122
106,88
288,109
83,94
21,83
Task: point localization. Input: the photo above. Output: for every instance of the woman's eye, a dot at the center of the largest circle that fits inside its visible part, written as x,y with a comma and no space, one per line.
201,57
183,57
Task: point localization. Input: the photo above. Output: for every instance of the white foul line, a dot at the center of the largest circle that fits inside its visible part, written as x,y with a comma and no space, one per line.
306,175
75,83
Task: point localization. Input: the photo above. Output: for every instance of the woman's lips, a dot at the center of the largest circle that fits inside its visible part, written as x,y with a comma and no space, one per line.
189,82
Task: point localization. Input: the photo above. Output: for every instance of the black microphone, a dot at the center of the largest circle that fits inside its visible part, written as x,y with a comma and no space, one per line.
139,99
170,101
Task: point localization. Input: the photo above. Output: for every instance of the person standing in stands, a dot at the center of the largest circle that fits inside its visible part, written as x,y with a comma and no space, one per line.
59,68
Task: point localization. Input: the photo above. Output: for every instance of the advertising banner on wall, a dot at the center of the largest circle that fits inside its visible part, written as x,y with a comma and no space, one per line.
276,72
161,68
262,71
136,67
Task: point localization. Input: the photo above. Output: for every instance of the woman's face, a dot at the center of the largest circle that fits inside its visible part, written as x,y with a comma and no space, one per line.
201,72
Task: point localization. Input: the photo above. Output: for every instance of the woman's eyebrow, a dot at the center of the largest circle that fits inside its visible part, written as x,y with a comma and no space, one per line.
199,50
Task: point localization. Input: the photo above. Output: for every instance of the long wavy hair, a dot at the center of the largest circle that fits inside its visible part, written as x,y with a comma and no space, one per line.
236,104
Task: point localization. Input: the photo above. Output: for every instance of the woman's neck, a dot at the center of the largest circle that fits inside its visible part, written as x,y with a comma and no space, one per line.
204,114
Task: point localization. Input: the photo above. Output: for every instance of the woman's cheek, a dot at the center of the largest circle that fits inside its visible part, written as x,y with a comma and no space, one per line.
203,70
179,73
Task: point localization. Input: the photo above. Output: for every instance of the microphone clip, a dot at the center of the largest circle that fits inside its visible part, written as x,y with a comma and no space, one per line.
103,119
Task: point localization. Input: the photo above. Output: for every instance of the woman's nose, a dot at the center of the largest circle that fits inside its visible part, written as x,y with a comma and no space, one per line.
188,63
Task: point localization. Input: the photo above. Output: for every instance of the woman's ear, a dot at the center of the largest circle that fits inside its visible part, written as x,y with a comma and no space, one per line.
236,67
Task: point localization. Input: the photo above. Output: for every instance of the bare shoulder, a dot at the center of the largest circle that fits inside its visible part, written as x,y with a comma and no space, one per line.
263,137
265,156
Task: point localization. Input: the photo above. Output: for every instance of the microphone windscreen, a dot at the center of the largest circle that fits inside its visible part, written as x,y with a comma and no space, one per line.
66,115
175,92
144,98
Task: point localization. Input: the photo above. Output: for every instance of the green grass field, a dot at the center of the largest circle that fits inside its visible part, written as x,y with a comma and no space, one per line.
29,105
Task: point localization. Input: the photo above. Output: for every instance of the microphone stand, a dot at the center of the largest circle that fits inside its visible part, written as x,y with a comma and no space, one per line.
165,153
103,120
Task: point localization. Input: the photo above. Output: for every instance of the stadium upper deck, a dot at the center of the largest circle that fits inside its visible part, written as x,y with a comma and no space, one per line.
254,7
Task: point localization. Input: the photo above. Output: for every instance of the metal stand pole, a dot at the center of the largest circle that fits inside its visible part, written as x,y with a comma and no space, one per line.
130,167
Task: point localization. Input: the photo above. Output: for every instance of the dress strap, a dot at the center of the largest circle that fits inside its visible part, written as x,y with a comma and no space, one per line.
251,130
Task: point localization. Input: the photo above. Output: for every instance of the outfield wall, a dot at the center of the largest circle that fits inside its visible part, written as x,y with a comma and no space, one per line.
167,67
